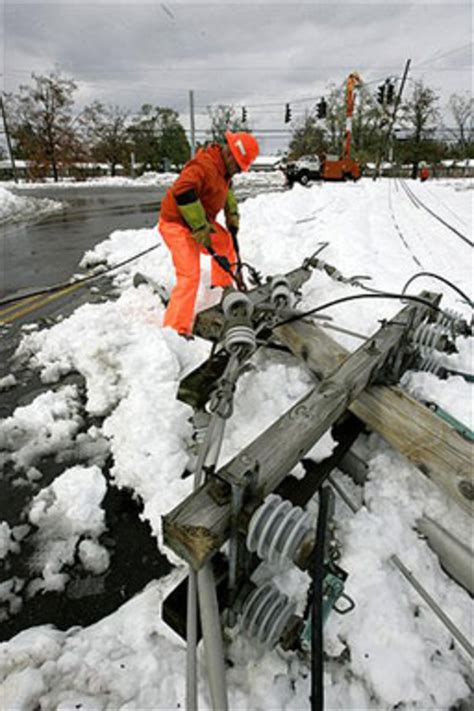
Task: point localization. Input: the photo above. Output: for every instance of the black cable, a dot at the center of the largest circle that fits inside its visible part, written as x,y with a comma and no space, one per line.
317,575
444,280
436,216
65,285
354,297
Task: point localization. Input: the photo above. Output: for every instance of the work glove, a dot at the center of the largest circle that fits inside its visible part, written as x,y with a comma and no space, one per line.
203,235
194,215
231,210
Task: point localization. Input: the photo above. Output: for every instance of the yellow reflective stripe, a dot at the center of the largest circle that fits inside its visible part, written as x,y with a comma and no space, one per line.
193,214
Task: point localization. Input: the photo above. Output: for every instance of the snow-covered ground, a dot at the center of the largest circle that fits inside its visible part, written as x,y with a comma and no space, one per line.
17,208
391,651
150,179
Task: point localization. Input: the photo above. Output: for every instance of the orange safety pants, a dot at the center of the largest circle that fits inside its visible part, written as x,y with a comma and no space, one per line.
186,255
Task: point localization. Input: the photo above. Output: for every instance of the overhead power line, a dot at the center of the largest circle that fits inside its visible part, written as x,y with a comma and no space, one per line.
435,57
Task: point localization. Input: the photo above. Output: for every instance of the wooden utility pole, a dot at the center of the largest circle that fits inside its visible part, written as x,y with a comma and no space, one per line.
7,136
392,120
200,525
440,452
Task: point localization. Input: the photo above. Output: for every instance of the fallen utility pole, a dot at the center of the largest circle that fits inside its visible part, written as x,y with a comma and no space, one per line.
408,425
198,526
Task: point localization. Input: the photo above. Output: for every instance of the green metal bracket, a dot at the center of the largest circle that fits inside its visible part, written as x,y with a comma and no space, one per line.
333,589
463,429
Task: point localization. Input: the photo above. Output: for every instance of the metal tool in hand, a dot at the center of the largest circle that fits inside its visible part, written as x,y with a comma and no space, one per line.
224,264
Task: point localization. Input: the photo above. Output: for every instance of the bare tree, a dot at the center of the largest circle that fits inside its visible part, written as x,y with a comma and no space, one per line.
105,130
462,109
420,116
42,124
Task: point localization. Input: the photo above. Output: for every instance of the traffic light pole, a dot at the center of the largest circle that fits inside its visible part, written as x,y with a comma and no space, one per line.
392,121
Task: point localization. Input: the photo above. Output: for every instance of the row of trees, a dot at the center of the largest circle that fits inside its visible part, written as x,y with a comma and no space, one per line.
45,131
420,134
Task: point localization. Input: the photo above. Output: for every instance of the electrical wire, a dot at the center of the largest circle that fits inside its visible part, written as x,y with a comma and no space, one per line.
317,575
355,297
442,279
415,199
66,285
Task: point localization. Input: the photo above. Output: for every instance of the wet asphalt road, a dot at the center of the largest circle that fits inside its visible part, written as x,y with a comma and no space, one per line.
34,255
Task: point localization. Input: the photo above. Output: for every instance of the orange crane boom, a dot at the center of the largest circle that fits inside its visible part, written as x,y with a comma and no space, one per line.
352,81
344,167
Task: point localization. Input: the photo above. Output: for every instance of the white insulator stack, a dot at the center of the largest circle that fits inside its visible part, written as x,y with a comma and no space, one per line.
265,614
277,530
239,333
240,337
236,303
449,319
281,295
425,338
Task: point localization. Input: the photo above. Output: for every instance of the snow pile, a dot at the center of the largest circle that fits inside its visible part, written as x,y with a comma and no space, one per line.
15,208
7,382
274,178
68,513
7,542
45,427
391,650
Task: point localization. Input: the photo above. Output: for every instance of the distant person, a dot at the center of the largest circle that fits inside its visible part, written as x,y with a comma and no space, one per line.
188,221
424,173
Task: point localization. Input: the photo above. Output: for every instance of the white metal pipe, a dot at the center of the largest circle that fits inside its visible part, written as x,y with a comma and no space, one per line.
414,582
191,641
212,636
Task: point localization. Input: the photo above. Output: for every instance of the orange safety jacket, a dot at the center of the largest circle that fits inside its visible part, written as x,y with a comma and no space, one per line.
206,175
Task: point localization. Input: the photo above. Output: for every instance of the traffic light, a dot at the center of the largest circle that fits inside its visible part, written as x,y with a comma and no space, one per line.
381,93
390,92
287,113
321,108
244,114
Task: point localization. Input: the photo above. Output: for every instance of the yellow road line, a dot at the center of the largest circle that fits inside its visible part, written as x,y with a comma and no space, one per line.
19,304
39,304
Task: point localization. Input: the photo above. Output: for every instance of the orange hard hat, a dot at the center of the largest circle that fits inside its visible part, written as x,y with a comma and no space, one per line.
244,147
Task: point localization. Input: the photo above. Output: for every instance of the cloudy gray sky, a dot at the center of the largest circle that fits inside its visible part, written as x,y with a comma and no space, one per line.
258,55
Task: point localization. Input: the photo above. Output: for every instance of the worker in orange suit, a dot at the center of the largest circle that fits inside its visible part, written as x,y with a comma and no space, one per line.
188,222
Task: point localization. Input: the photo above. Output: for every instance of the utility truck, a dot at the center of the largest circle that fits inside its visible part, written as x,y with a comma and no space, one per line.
314,167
